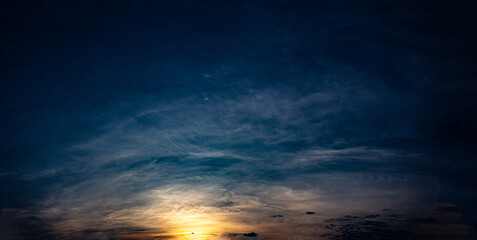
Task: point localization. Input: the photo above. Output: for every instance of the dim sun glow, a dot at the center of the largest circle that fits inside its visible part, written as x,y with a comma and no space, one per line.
187,214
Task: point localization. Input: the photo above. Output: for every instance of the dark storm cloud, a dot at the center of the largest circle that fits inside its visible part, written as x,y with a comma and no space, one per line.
109,107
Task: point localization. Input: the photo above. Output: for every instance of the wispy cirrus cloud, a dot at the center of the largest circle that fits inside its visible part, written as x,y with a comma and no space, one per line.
239,158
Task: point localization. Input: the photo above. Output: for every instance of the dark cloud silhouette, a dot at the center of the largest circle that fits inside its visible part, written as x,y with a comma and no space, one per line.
401,227
15,224
252,234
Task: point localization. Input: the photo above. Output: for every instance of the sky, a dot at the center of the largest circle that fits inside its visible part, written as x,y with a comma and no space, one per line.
238,119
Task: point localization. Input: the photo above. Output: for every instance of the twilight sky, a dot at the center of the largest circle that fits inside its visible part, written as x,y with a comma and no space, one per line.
216,119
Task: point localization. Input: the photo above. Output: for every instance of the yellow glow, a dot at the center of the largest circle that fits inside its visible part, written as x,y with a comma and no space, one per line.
191,224
191,236
185,216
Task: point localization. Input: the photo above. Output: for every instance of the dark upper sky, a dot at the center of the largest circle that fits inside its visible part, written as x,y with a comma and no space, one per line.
104,103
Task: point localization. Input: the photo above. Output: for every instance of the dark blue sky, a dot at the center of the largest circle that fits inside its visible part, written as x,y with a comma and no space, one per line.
106,103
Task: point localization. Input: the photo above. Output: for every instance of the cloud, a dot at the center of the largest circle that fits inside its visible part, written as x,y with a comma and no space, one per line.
234,159
412,225
295,117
